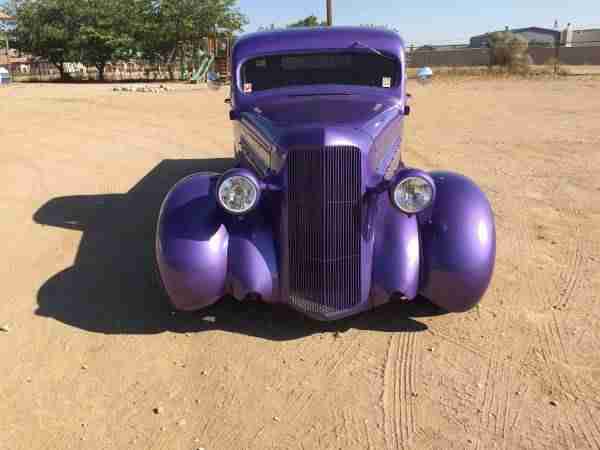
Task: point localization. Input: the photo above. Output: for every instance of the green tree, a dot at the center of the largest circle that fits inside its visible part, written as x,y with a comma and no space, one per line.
98,31
105,32
222,15
152,39
177,27
310,21
48,29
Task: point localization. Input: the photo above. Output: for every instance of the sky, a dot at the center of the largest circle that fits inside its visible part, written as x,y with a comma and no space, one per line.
433,22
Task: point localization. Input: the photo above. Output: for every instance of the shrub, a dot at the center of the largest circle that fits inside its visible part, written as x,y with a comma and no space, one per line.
553,64
509,50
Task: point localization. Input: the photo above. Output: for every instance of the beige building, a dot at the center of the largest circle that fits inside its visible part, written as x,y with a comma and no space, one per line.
580,38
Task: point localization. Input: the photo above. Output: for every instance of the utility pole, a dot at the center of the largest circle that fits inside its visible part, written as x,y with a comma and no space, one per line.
329,14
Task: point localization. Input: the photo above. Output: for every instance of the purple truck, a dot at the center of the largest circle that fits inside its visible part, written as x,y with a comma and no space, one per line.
319,212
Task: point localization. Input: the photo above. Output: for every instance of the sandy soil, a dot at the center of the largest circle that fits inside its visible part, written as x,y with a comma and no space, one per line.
92,358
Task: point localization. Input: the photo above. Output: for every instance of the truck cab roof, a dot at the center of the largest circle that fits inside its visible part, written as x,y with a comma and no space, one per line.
316,38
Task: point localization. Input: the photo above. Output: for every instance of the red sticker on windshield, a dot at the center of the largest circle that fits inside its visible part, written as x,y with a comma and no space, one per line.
247,88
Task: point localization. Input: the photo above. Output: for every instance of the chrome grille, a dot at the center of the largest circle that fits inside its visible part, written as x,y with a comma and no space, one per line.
324,191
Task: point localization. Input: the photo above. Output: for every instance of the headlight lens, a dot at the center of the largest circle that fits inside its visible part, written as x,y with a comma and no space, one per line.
238,194
413,194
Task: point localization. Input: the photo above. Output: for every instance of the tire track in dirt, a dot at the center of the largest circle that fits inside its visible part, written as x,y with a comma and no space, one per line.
590,424
389,405
348,345
344,354
368,435
589,439
550,334
398,389
349,433
552,341
464,345
336,353
572,276
498,413
498,407
575,276
300,401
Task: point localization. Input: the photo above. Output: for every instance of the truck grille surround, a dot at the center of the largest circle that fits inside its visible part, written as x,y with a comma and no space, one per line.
324,229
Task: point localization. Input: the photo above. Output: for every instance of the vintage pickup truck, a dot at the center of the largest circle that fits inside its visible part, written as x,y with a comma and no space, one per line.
319,212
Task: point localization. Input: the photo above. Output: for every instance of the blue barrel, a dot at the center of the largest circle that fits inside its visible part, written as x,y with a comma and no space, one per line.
4,76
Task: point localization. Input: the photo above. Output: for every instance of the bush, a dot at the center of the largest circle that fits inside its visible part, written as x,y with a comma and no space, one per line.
509,50
554,64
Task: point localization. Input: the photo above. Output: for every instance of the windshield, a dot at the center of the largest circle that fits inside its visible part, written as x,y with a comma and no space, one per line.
349,68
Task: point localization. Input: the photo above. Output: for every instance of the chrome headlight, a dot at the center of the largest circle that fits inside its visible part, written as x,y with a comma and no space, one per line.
238,193
412,194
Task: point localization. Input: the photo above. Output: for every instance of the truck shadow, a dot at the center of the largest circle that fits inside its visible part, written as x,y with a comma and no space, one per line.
112,288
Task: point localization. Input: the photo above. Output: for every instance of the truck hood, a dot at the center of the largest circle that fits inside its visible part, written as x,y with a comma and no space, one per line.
323,110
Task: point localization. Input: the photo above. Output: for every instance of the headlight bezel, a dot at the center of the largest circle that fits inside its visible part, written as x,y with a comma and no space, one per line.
406,176
246,175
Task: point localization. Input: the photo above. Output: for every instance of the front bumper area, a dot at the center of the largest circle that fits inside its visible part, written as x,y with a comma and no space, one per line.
204,254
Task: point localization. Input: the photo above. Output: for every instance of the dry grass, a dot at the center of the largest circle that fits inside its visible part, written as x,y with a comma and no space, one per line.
495,72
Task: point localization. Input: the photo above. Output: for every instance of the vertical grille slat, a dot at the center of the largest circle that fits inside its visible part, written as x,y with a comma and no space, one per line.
324,190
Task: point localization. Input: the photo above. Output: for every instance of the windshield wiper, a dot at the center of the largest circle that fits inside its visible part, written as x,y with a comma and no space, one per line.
373,50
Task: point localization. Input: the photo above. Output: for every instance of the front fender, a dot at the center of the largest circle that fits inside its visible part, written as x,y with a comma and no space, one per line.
253,266
204,253
396,255
192,243
458,244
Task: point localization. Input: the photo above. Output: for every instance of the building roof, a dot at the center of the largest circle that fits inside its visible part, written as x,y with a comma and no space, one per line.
4,16
522,30
428,47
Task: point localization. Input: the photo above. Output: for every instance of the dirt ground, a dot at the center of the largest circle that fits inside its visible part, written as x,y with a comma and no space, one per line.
91,357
